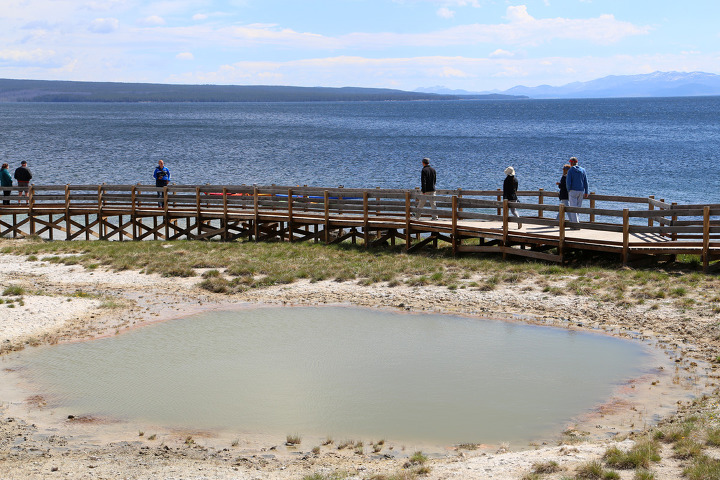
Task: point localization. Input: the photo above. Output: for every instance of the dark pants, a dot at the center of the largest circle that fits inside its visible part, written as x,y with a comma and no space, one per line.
7,194
160,184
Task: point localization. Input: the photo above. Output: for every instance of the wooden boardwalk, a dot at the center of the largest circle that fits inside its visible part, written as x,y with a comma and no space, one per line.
635,228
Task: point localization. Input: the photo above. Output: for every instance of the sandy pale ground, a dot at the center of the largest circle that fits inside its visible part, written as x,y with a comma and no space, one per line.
66,303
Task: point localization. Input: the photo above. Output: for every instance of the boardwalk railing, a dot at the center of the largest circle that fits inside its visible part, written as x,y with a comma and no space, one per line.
471,220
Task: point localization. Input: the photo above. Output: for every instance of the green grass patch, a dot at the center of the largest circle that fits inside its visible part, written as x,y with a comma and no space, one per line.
639,456
13,291
642,474
687,448
418,458
675,432
703,468
713,437
546,467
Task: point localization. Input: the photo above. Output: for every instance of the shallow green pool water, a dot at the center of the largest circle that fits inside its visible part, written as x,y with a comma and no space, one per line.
340,371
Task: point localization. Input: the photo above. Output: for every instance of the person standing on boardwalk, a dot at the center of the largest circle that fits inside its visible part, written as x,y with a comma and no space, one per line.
5,181
510,187
562,185
23,175
162,178
577,186
427,187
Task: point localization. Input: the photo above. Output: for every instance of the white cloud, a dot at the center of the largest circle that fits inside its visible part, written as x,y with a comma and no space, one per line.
104,25
152,21
450,72
185,56
36,56
500,53
521,28
104,5
445,12
199,17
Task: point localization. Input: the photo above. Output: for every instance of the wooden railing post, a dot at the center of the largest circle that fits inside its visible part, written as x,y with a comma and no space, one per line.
561,233
541,197
31,204
133,217
663,208
166,211
290,215
499,199
327,216
651,207
706,239
626,236
505,213
256,209
592,206
455,239
101,225
68,224
198,210
408,236
673,220
226,218
459,195
366,220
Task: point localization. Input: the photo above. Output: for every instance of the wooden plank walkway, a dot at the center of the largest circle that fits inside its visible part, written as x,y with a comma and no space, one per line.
470,221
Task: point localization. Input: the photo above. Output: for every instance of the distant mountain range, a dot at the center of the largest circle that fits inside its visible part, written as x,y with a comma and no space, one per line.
658,84
66,91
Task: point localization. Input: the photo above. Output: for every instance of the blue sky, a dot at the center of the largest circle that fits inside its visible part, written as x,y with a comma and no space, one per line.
474,45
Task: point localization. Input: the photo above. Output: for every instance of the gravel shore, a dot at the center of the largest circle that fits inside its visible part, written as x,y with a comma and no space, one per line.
67,303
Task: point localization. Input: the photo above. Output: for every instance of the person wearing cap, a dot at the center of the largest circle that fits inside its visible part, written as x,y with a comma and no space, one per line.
23,175
577,186
510,187
427,187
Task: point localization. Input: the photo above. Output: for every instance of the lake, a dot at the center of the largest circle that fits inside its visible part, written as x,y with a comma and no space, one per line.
650,146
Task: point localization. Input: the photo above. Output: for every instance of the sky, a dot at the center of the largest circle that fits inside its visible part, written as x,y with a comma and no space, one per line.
474,45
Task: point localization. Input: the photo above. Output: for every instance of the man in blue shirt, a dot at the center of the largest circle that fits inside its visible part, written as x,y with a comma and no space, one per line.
162,178
577,186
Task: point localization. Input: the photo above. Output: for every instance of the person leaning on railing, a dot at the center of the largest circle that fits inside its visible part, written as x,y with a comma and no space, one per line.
428,177
23,175
5,181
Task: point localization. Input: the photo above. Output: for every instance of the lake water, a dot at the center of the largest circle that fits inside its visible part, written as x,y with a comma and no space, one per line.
340,371
668,147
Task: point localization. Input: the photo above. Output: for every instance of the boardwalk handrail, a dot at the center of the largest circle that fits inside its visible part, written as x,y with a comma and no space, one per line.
110,209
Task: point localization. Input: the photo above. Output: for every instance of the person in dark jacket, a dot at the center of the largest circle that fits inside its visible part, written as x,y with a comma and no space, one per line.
427,187
5,181
162,178
510,187
23,175
562,185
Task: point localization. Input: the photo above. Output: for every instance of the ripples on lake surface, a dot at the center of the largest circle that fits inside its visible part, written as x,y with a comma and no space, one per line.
640,147
341,371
